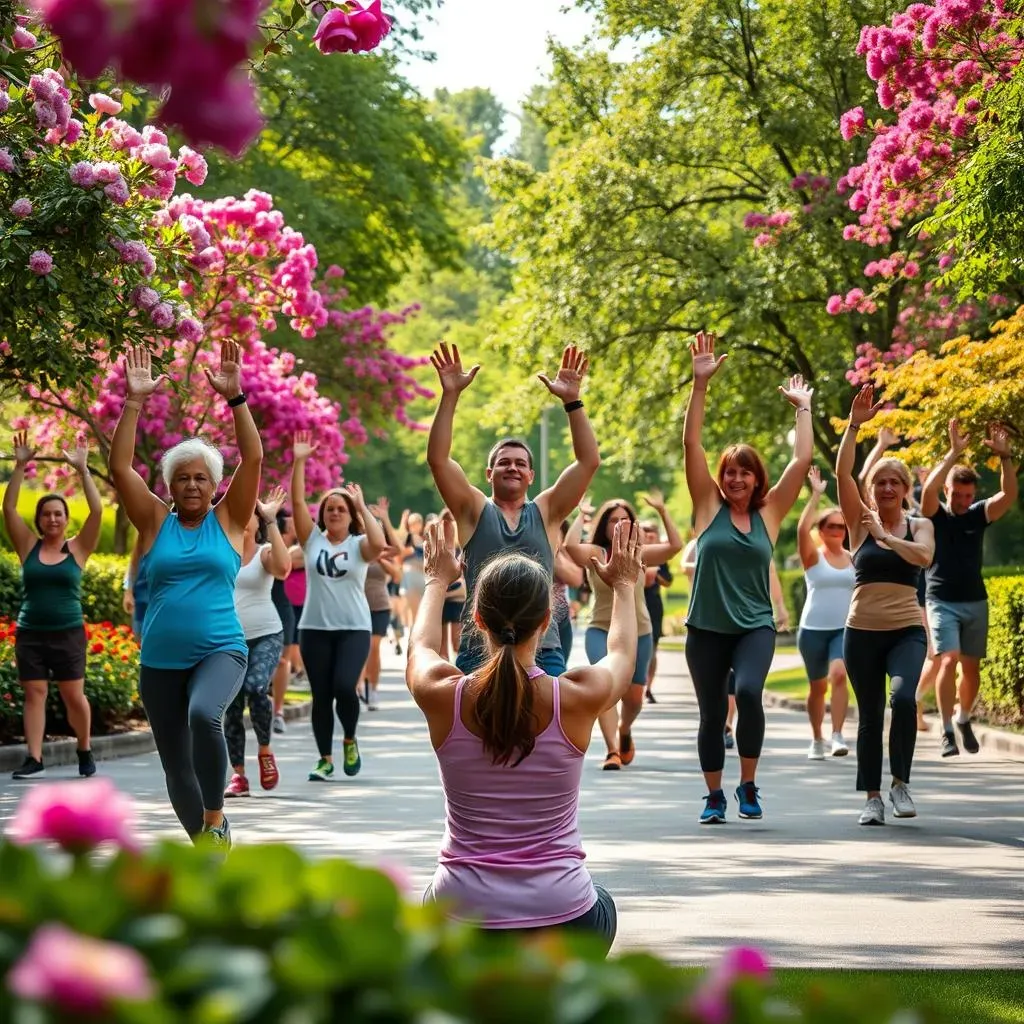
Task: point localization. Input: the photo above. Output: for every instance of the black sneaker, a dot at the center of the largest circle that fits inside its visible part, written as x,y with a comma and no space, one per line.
949,747
967,738
650,697
86,764
30,769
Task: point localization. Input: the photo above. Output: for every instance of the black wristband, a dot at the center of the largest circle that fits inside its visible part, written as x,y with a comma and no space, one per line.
573,406
239,399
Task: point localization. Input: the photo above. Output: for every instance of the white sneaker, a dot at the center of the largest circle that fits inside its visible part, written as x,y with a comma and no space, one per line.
816,751
874,812
839,747
371,700
902,805
278,725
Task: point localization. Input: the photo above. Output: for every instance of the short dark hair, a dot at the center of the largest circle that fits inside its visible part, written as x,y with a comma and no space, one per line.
42,501
509,442
963,475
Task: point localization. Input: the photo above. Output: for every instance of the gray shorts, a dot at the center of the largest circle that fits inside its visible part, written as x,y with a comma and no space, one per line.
819,648
958,626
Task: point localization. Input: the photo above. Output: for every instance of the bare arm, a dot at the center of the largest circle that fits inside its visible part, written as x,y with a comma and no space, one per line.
664,550
21,536
886,439
782,497
998,441
862,409
703,490
302,448
918,551
275,558
932,488
84,544
558,501
778,597
575,548
566,570
374,539
805,542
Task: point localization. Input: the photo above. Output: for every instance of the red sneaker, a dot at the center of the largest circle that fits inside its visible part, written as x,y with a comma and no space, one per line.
269,775
238,786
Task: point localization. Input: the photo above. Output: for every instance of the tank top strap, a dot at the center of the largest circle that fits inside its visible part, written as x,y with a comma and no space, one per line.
457,727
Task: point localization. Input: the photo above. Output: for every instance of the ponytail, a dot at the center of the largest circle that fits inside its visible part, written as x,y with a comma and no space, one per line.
504,707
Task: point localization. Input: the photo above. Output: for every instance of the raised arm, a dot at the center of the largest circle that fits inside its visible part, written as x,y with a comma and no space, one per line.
805,542
998,442
931,491
302,448
782,497
918,551
244,489
558,501
704,491
886,440
862,409
464,501
84,543
275,559
374,539
574,546
663,550
21,536
380,509
566,570
144,509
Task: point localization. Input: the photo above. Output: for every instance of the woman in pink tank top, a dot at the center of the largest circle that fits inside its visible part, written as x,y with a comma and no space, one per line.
510,741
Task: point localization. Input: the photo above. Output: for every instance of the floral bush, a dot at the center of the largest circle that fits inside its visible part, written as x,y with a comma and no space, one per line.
174,933
111,681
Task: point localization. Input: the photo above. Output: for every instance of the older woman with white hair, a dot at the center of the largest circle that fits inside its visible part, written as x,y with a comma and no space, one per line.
193,647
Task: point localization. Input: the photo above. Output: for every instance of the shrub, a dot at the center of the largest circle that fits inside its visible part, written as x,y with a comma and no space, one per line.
111,682
1002,672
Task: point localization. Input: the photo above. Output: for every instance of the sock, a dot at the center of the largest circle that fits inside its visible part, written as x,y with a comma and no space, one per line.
961,718
947,725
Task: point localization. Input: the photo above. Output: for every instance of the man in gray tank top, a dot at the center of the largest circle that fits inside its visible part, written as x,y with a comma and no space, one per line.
508,520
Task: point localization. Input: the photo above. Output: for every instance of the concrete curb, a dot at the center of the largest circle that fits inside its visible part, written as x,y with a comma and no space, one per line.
104,748
995,740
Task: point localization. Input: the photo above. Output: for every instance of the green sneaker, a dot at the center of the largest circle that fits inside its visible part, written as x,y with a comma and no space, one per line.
353,762
216,839
323,771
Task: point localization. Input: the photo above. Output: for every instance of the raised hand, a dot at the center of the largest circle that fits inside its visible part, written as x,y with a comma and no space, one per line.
355,492
702,354
626,562
958,441
817,484
439,543
303,445
998,440
138,373
24,453
888,438
268,508
797,393
448,364
655,499
227,381
78,456
864,406
379,509
870,521
569,379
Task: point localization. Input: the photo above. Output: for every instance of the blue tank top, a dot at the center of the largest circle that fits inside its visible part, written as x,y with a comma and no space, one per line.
191,612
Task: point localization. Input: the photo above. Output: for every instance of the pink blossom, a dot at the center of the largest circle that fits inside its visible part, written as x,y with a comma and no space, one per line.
5,100
853,296
6,160
86,35
82,174
40,262
194,164
162,315
752,220
911,269
22,39
834,305
106,171
780,219
74,131
78,818
117,191
104,104
190,329
144,297
21,208
79,975
356,31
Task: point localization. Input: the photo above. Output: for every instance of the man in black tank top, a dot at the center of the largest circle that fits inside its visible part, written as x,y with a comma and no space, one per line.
528,526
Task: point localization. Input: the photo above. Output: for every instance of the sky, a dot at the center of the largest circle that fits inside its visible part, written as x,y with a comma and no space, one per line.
494,44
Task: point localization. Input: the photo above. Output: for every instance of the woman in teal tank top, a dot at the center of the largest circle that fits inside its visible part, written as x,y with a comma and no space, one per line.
50,642
193,647
729,625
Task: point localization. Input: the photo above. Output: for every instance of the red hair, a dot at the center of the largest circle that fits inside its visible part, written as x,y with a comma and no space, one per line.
746,458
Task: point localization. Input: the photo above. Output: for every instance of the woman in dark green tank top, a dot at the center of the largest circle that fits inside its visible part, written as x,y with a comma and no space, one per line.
730,627
50,642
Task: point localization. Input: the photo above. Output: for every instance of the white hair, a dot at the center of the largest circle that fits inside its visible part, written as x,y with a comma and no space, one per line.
187,451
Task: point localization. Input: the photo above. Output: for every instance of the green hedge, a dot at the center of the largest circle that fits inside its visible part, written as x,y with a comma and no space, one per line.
1002,672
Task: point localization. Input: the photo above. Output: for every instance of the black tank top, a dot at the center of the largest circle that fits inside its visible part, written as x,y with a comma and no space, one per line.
874,564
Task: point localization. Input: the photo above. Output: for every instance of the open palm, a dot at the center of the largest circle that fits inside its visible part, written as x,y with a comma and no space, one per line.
138,373
227,381
569,379
448,364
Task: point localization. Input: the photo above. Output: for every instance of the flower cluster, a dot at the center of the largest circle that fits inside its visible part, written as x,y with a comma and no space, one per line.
771,228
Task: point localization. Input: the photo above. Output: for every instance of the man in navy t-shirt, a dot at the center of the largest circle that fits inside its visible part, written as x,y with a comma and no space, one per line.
956,601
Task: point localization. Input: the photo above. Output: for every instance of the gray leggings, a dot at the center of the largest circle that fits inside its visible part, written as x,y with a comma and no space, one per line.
264,654
185,707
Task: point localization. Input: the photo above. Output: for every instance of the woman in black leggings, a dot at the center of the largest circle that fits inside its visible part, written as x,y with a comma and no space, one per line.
335,628
884,635
729,623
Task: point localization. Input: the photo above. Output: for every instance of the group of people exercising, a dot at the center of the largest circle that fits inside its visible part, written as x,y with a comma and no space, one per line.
509,723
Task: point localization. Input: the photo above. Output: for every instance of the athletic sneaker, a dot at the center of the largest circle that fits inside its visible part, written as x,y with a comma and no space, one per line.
948,743
967,738
816,751
874,812
87,764
398,647
902,805
279,725
30,769
238,786
839,747
218,838
372,702
627,748
612,762
353,762
323,771
747,794
730,742
649,697
714,808
269,775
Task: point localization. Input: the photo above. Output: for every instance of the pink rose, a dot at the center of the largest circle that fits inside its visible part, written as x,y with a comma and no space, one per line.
23,39
357,32
76,817
162,315
225,114
6,160
190,329
104,104
82,174
144,297
21,208
73,132
41,263
76,974
117,191
834,305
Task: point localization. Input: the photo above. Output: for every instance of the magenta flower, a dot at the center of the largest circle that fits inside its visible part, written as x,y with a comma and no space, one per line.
21,208
117,191
162,315
144,297
360,31
6,160
82,174
79,975
41,263
190,329
5,100
852,123
23,39
78,818
104,104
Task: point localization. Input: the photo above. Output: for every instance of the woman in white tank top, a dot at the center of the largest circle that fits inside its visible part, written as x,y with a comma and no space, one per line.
829,575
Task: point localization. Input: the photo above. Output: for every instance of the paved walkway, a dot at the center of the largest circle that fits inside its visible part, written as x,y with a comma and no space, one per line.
806,883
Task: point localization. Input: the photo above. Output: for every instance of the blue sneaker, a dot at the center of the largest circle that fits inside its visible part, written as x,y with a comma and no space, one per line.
729,741
714,808
746,794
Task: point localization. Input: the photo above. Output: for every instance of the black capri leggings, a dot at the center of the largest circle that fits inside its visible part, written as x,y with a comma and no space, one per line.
334,660
709,657
870,656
